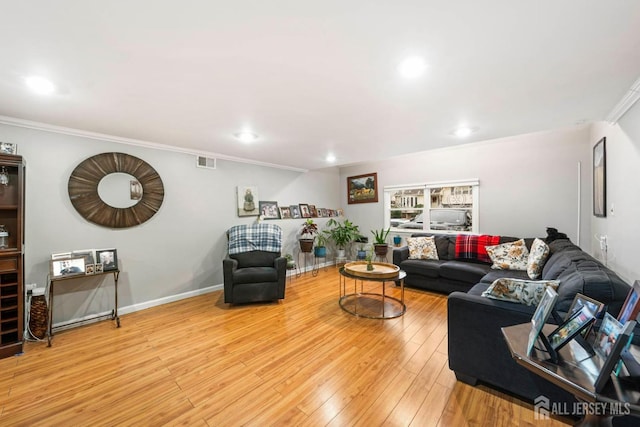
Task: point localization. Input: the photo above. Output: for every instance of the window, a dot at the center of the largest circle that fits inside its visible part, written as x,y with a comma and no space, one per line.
441,207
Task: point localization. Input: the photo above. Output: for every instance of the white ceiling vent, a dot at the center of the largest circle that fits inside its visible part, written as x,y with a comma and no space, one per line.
206,162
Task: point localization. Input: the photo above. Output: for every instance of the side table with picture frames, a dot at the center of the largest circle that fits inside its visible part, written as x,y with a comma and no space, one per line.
78,265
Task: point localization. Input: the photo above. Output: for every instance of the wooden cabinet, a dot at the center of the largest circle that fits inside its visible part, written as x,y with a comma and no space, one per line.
11,256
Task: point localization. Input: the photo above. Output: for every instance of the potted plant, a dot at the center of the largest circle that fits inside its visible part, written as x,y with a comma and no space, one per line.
291,264
342,234
307,235
362,254
320,250
380,241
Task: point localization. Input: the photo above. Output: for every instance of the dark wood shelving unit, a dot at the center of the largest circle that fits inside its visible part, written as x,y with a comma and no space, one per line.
12,257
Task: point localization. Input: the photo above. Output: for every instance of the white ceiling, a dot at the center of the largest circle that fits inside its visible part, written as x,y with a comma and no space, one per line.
316,77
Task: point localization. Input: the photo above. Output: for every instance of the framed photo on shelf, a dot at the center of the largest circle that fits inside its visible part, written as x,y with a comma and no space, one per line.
571,327
269,210
362,188
541,315
631,305
108,258
8,148
67,267
313,211
285,212
607,335
89,269
594,306
98,268
304,210
295,211
612,360
600,178
87,254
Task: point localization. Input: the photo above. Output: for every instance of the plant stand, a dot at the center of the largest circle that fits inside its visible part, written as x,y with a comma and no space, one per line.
316,264
308,259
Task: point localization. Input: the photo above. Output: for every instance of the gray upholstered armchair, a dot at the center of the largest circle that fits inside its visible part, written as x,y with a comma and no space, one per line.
253,270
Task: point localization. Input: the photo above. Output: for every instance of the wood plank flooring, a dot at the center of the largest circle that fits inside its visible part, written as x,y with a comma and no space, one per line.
302,361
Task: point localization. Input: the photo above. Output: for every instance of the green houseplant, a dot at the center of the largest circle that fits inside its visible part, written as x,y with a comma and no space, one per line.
380,241
307,235
342,234
320,249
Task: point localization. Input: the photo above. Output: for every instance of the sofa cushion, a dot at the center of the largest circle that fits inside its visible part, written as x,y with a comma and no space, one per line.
255,258
443,242
422,248
474,247
537,256
509,256
528,292
463,271
422,267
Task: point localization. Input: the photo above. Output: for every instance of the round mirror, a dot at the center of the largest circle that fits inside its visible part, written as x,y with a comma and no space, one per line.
132,191
120,190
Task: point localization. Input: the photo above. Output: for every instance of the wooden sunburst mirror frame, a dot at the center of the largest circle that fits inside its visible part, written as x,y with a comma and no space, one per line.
83,190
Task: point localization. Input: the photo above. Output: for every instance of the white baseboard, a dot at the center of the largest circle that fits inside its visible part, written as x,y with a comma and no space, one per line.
137,307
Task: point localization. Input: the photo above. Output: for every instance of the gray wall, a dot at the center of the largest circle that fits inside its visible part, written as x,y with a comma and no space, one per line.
527,182
622,226
178,251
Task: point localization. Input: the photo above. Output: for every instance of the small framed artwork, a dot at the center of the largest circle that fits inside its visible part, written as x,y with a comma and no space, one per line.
98,268
340,212
322,212
8,148
248,201
607,335
362,188
313,211
571,327
600,179
612,360
285,212
304,210
594,306
540,316
89,269
61,255
295,211
108,258
631,305
67,267
87,254
269,210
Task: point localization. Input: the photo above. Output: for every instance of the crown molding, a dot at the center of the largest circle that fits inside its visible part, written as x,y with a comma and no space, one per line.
12,121
627,101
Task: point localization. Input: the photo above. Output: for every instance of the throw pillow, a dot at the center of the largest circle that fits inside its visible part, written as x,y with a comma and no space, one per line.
422,248
537,256
474,247
509,256
528,292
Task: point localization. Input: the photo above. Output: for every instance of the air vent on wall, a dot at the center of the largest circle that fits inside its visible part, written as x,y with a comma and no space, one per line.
206,162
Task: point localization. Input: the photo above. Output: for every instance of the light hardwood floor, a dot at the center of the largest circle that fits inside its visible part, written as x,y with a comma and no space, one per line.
302,361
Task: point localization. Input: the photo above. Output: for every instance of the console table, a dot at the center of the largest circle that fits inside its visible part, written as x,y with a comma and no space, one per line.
113,314
576,372
371,305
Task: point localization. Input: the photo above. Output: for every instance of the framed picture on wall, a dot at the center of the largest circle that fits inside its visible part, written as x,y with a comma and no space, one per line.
600,179
269,210
362,188
8,148
248,201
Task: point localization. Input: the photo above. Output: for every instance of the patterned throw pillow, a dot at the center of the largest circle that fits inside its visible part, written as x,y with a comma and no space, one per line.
537,256
528,292
422,247
474,247
509,256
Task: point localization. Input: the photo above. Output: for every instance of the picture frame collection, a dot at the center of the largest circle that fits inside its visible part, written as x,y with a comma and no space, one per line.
249,204
83,262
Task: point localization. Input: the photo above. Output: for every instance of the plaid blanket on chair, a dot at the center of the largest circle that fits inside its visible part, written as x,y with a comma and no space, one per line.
254,237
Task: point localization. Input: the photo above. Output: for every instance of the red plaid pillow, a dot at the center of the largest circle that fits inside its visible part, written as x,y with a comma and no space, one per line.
474,247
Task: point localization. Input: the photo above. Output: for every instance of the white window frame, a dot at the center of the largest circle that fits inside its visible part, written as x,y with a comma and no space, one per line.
475,211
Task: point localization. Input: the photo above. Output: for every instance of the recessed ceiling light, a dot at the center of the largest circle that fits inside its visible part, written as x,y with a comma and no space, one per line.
412,67
463,131
246,136
40,85
331,158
